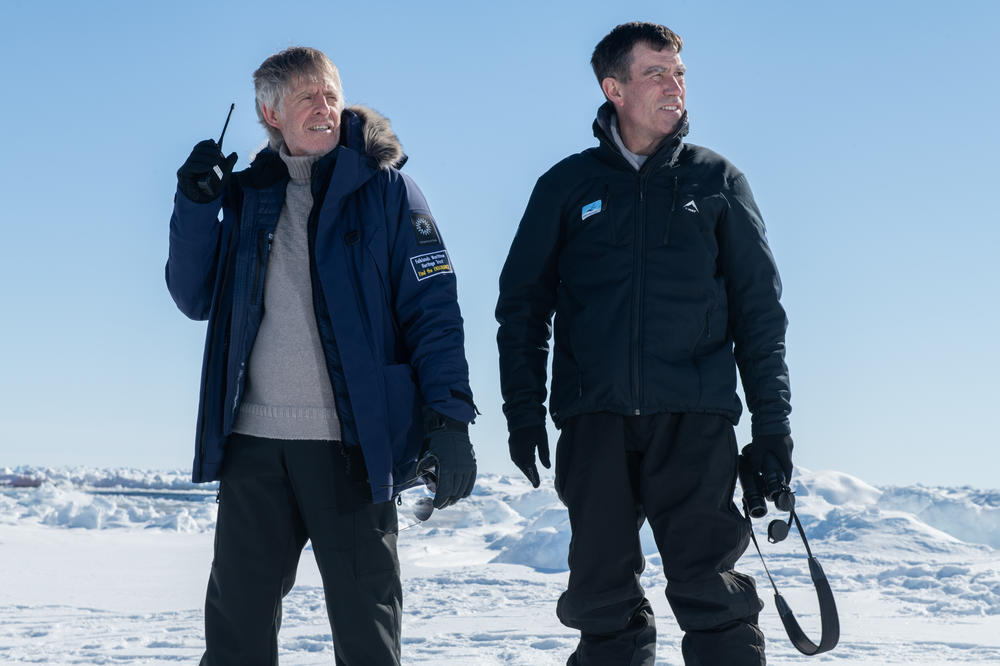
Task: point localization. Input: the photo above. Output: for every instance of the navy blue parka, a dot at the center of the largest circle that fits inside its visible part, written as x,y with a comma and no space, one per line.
384,295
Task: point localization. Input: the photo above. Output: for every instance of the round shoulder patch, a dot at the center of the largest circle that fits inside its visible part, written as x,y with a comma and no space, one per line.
425,229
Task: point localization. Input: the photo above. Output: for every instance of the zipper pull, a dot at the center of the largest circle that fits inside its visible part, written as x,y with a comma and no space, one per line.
673,207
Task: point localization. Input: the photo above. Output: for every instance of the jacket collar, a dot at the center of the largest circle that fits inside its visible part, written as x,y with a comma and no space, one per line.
666,153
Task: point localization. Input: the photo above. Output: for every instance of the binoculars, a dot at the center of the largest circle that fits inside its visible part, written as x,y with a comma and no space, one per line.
770,484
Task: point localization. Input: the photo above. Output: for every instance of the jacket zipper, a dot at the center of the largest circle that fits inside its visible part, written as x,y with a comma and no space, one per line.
638,289
264,239
240,345
239,386
670,215
706,331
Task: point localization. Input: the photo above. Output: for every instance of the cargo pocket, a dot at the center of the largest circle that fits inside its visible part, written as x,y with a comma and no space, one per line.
402,412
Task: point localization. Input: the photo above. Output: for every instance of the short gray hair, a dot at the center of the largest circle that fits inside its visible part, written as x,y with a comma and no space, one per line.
280,71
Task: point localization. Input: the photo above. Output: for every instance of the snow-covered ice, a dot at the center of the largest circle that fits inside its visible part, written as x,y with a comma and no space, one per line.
109,566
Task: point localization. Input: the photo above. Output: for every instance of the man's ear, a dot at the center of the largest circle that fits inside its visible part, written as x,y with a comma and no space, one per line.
612,90
271,116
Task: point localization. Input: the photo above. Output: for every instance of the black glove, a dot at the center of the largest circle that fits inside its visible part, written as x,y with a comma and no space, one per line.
779,446
448,441
198,179
522,443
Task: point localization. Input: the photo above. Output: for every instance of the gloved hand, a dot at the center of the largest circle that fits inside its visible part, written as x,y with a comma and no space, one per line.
522,444
779,446
203,174
448,441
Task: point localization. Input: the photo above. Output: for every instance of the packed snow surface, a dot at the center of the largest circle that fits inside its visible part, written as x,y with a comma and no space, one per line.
108,566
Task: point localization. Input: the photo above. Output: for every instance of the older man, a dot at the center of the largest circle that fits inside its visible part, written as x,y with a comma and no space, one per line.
334,360
652,255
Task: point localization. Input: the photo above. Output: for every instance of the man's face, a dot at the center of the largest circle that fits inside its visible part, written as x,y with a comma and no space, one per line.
308,117
651,103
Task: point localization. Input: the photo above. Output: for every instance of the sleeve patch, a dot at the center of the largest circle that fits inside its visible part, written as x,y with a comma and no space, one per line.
425,229
431,264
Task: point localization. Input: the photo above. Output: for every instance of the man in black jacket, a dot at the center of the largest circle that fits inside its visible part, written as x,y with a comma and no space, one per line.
651,254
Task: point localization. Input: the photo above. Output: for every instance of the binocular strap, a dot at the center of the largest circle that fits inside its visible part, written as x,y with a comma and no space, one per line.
829,620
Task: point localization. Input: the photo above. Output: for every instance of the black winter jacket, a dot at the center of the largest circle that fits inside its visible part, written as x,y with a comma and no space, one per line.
661,282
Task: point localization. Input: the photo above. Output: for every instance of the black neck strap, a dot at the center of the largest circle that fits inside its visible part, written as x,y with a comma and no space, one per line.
829,619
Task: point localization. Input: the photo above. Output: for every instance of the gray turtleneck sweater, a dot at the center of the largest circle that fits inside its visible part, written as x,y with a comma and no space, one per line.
288,393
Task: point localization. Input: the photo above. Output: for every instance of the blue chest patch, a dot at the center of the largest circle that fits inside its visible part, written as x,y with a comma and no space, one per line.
592,208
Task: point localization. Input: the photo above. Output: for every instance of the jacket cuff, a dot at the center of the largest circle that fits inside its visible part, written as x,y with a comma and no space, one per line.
434,420
458,409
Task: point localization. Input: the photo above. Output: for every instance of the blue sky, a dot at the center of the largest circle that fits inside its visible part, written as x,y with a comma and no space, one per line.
867,130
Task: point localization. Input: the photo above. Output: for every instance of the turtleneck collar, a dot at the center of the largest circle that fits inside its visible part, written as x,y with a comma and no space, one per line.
299,167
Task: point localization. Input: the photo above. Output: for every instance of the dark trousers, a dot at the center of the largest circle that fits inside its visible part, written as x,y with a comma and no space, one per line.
679,472
275,495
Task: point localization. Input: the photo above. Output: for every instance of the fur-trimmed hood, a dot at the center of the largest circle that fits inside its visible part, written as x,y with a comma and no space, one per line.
380,142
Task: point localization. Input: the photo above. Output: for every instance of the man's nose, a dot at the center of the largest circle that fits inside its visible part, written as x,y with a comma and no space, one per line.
673,85
322,106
